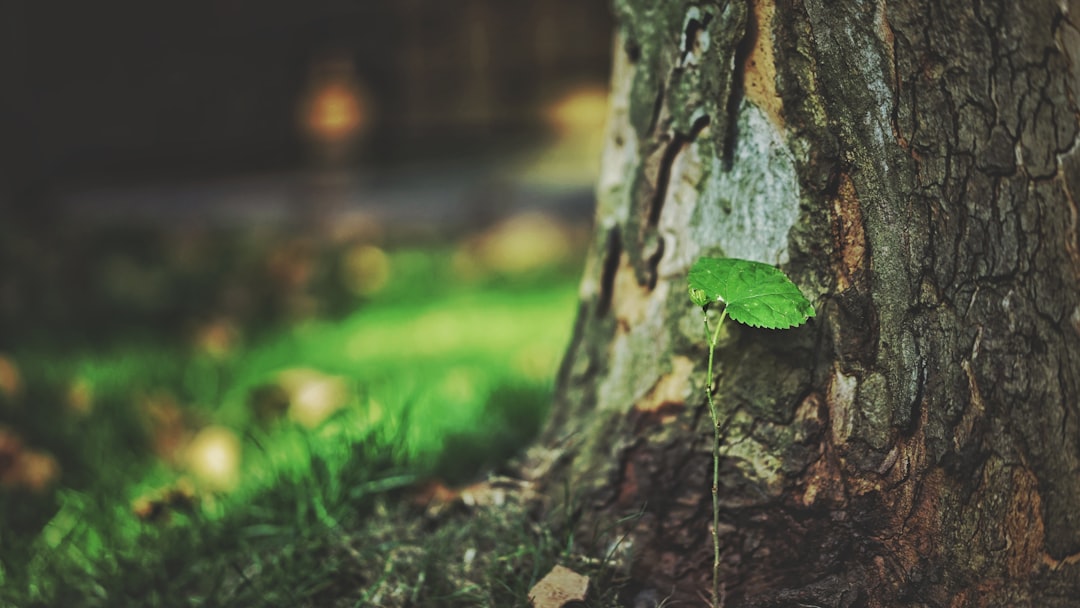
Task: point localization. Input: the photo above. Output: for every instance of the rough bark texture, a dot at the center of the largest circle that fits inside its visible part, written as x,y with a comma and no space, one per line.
916,169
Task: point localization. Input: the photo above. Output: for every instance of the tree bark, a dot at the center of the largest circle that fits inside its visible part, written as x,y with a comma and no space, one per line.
915,168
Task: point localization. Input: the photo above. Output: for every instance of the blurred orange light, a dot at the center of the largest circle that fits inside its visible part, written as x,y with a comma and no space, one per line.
336,113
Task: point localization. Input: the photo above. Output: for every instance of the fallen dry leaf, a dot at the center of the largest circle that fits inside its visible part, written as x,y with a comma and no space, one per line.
560,587
436,497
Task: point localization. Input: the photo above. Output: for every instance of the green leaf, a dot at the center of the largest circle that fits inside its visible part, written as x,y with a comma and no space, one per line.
756,294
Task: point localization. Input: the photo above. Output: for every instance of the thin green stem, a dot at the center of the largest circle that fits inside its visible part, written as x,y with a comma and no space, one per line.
713,337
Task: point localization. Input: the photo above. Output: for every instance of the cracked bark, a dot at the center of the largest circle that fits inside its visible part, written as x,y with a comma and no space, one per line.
918,444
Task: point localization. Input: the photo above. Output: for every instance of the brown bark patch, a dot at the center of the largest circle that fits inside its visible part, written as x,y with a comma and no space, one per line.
911,491
916,519
1072,231
1024,525
822,482
759,68
628,488
667,398
976,406
671,389
849,238
904,491
888,37
1054,564
986,594
629,298
665,413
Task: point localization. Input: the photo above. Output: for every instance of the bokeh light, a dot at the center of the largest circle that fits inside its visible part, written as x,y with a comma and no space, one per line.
582,111
525,242
213,457
335,112
10,378
23,468
313,395
80,396
365,269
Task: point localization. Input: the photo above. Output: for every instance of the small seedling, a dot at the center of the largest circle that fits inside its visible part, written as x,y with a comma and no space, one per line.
754,294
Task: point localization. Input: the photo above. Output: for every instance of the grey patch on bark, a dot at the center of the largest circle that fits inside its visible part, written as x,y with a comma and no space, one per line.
747,212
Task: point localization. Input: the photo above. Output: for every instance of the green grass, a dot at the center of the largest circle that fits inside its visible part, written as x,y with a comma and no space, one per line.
443,386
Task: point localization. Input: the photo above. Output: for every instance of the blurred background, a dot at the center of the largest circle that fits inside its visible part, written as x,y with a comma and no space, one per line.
417,119
244,241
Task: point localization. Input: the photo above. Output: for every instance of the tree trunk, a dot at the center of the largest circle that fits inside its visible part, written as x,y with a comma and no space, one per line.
915,169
